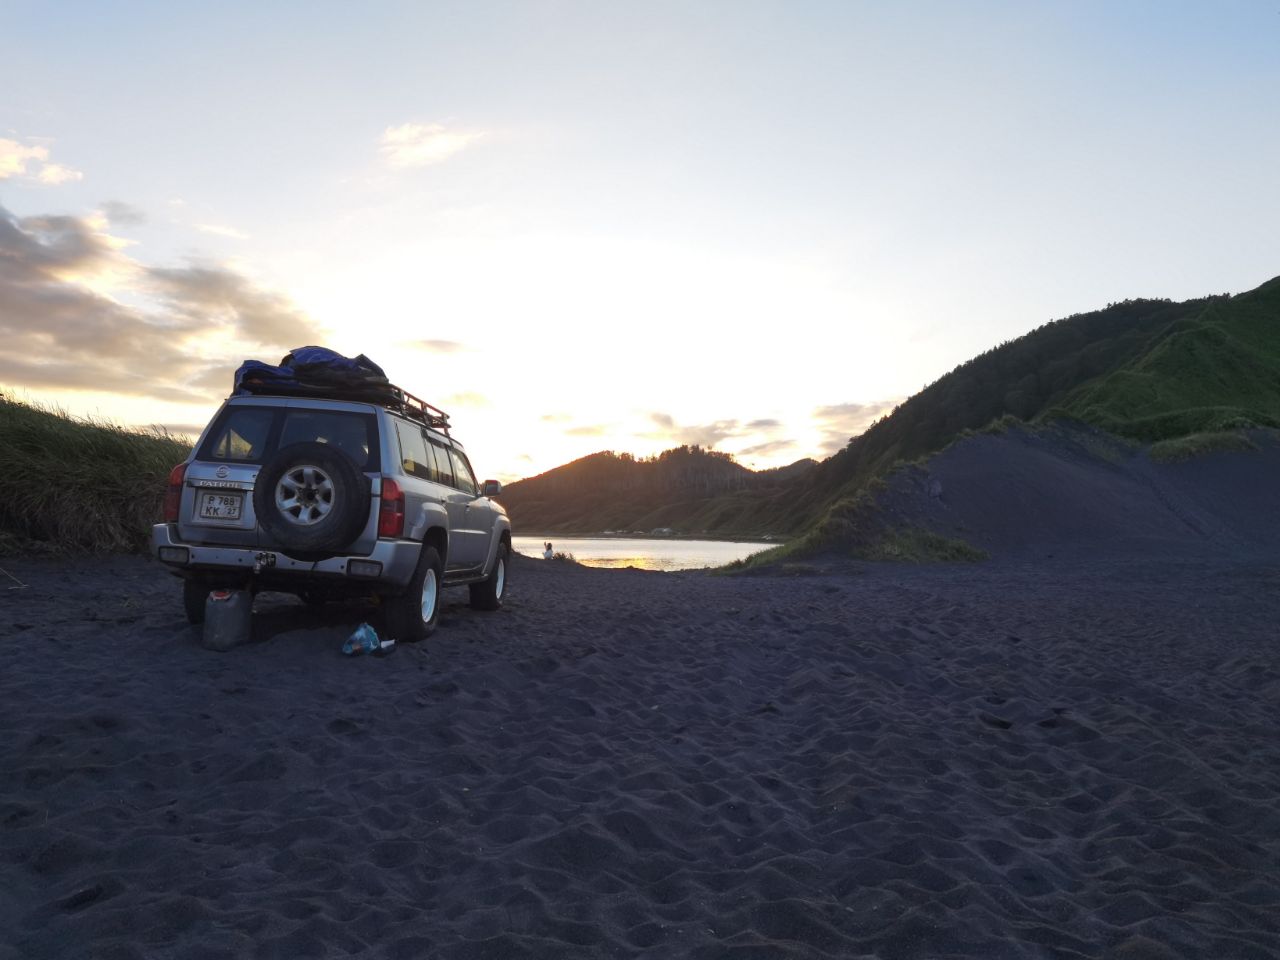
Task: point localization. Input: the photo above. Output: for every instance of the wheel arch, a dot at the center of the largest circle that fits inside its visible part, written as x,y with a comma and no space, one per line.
438,537
502,535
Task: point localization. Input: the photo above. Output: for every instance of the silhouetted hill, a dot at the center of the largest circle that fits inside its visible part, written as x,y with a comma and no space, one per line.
1145,369
687,489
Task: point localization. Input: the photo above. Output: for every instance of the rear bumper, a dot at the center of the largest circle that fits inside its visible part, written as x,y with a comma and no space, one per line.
397,559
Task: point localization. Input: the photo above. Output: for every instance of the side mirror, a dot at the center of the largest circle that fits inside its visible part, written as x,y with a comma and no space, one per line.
491,488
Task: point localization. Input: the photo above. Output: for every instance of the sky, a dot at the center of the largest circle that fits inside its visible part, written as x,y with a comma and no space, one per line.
580,226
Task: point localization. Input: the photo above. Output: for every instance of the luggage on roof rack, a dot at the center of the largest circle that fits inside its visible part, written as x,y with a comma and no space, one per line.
320,372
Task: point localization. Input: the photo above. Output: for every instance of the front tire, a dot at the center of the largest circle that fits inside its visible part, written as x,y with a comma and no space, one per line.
488,594
415,614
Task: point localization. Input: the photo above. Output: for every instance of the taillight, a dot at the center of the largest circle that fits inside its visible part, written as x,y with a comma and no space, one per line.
391,510
173,493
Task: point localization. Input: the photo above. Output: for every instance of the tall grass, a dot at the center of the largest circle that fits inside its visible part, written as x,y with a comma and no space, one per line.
1199,445
79,484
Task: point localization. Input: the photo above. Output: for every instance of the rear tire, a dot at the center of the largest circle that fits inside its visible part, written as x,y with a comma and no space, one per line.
488,594
415,614
194,594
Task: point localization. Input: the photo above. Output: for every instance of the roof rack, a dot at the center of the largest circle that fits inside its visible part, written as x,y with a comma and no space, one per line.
418,409
385,395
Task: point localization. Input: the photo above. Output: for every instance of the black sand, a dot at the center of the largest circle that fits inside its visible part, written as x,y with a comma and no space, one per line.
992,761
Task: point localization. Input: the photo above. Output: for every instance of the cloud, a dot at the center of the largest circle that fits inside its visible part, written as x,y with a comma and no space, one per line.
209,296
764,425
14,157
420,144
702,435
708,434
32,163
766,448
555,418
841,422
467,400
221,231
56,173
592,430
176,335
121,214
439,346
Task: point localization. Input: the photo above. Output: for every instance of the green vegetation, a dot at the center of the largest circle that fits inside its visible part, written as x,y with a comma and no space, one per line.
915,545
1198,445
1022,379
1142,371
79,484
1211,373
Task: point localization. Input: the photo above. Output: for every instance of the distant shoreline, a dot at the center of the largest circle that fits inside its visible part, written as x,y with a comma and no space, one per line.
776,541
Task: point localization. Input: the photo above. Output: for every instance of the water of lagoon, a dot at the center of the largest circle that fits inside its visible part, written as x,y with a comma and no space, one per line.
647,554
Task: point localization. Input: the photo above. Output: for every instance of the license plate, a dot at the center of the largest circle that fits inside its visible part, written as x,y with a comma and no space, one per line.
221,506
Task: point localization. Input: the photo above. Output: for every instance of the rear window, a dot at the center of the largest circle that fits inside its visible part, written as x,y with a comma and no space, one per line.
246,434
241,436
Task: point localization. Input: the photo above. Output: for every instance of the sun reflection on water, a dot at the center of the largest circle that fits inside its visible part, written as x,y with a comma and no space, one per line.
643,554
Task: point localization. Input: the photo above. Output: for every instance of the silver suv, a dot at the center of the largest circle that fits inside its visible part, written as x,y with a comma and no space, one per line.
332,499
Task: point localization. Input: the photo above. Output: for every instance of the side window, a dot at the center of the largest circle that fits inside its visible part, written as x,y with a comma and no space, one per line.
443,464
462,478
242,436
414,456
433,461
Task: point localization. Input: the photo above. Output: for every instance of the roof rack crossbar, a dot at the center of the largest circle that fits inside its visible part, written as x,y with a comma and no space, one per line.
393,398
418,409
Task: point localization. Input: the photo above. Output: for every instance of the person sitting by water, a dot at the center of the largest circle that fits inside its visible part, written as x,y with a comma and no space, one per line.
547,554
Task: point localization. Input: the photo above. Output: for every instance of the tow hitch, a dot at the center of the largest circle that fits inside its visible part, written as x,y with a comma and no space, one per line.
261,560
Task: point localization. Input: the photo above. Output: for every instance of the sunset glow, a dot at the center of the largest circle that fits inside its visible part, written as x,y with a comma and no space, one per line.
754,227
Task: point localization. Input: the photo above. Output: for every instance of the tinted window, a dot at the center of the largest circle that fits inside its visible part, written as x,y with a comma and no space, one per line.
432,459
442,464
415,458
352,433
462,478
241,436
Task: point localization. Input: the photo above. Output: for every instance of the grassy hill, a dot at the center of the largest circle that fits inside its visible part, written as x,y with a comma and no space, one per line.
72,484
1024,378
1147,369
1216,371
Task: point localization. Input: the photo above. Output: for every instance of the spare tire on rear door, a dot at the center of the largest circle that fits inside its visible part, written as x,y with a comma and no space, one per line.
311,497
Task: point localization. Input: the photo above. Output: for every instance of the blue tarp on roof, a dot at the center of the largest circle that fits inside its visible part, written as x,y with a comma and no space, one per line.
315,371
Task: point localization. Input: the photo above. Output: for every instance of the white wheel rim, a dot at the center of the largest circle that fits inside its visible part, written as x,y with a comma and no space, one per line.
501,581
429,592
304,495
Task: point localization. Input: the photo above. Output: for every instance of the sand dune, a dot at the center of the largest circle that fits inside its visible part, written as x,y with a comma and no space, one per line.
1004,760
1076,490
